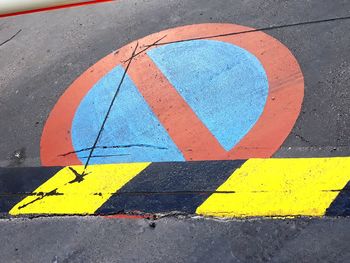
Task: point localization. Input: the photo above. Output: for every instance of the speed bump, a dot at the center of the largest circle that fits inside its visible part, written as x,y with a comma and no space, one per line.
241,188
280,187
70,191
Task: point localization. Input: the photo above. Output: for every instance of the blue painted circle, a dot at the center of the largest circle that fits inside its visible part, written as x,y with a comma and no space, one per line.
225,85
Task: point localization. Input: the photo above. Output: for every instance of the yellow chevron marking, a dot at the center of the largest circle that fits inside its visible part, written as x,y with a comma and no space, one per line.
280,187
63,194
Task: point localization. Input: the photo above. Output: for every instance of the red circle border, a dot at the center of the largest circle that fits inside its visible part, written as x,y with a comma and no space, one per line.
283,105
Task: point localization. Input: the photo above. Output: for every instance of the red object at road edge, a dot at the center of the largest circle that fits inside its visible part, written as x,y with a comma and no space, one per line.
54,7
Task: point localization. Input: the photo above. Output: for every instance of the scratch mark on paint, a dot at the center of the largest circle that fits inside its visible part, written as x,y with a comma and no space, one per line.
115,147
41,196
155,43
104,156
335,190
54,192
109,109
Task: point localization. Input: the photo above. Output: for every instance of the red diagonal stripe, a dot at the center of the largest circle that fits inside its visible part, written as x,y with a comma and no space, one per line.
187,131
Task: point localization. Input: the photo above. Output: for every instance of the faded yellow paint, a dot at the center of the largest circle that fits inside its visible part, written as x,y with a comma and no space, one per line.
280,187
85,197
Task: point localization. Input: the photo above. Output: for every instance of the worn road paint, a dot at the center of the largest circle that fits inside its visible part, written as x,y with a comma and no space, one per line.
201,123
70,192
225,85
256,187
280,187
21,182
230,82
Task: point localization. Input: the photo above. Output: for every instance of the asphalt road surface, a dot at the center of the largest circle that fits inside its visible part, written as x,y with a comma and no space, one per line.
50,50
96,239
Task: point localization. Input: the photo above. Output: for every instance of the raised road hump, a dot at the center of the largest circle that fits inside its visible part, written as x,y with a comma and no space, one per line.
194,118
240,188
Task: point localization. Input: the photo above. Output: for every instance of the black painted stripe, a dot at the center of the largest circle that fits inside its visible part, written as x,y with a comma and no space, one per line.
341,204
168,187
18,183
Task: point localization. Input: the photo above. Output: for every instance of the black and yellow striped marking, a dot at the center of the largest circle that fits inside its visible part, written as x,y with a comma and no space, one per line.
256,187
167,187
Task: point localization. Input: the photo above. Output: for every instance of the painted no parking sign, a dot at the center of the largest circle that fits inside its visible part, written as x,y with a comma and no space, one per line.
202,92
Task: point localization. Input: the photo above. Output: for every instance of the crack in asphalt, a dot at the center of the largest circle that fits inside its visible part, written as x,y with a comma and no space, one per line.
258,30
9,39
303,139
